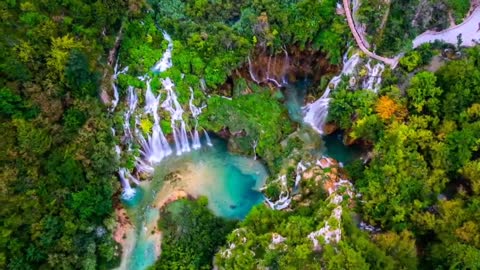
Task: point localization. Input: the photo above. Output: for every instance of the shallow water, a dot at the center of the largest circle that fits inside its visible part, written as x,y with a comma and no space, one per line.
230,182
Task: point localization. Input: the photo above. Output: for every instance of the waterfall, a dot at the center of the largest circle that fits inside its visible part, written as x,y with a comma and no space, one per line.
156,146
250,70
128,192
132,104
298,177
315,114
267,77
254,145
268,73
282,203
172,105
285,67
196,111
151,102
374,77
284,199
209,142
166,61
116,96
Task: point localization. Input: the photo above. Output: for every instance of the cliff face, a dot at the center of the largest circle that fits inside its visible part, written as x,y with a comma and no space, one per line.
287,66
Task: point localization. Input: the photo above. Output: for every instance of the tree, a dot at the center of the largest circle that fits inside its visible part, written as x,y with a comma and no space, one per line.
191,235
386,107
423,93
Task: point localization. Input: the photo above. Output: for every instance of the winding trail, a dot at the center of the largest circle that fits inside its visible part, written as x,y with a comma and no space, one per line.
469,28
348,13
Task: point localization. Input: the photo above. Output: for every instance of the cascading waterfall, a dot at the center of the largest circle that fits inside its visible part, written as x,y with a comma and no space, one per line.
172,105
284,199
374,76
207,138
154,146
128,192
132,104
196,111
116,96
166,60
254,146
250,70
315,114
300,169
267,77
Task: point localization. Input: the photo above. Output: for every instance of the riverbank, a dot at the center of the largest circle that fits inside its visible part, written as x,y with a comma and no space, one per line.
230,182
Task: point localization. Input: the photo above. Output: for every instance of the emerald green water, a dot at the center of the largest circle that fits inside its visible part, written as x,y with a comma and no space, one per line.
230,182
335,148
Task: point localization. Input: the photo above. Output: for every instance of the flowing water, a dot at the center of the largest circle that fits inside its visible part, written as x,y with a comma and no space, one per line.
294,96
315,114
230,182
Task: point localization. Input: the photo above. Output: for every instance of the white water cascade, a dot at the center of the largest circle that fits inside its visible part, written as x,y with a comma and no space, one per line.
154,146
196,111
315,114
300,169
132,100
269,78
284,199
166,60
177,123
128,192
116,96
207,138
374,77
254,146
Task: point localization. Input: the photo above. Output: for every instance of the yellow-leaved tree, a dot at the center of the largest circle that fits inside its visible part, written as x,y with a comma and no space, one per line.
59,54
386,107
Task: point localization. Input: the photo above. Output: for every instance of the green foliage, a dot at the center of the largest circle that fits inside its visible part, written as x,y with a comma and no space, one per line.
424,168
56,159
459,8
12,105
253,247
261,117
411,60
78,77
423,94
460,81
347,105
142,45
191,235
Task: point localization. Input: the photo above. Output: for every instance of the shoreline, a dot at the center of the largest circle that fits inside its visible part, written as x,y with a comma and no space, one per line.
124,233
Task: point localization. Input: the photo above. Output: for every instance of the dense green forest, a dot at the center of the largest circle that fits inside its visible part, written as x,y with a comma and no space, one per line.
423,176
57,160
418,183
